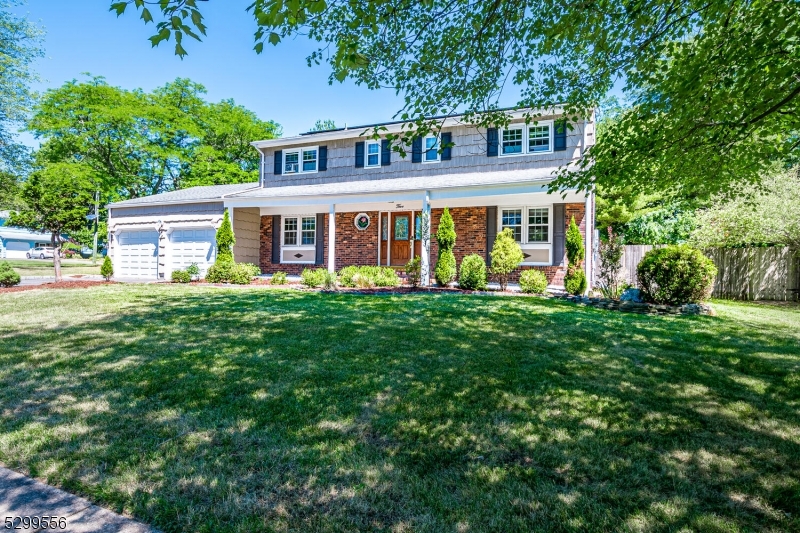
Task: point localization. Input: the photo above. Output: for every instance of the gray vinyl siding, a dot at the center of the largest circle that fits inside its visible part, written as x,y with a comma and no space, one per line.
206,208
468,155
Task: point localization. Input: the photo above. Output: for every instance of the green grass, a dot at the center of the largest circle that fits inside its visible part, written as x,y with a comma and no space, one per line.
44,267
201,409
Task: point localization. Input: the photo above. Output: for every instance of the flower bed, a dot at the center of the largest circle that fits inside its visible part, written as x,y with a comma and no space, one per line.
642,308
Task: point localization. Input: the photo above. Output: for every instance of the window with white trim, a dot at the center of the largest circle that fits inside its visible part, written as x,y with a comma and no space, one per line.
300,231
431,149
512,218
520,139
373,154
301,160
536,229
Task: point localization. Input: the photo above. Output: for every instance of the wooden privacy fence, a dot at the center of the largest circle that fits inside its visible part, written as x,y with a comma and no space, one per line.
771,273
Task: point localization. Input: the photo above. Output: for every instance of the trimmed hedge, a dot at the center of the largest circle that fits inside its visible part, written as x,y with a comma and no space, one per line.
533,282
181,276
676,275
473,273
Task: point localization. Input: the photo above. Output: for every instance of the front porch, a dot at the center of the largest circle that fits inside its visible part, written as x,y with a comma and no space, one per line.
387,230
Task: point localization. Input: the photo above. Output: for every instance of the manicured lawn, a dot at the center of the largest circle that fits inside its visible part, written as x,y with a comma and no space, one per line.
202,409
44,267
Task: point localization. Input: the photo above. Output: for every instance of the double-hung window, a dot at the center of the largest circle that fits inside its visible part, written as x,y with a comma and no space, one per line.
300,161
299,231
519,139
373,154
431,149
530,225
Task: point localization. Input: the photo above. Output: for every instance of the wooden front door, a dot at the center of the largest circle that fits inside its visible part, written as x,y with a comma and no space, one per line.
401,228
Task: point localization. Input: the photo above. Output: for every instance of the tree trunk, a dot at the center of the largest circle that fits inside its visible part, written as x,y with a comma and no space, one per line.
56,240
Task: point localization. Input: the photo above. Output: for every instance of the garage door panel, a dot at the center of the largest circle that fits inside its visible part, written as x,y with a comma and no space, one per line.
138,254
195,245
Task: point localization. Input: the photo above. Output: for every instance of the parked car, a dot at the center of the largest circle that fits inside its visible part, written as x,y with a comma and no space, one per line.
40,252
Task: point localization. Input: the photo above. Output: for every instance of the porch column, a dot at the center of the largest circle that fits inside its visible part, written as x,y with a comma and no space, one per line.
425,252
332,239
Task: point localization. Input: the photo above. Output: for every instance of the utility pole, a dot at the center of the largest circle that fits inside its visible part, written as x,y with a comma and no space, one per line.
96,208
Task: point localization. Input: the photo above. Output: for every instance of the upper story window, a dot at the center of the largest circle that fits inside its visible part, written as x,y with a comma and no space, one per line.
299,231
431,149
535,231
373,154
527,138
300,160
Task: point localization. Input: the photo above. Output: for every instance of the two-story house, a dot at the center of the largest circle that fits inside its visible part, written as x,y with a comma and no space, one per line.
337,198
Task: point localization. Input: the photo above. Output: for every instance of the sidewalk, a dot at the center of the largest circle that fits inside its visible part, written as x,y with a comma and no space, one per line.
21,496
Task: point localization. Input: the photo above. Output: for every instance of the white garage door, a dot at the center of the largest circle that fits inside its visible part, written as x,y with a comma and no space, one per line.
193,246
138,254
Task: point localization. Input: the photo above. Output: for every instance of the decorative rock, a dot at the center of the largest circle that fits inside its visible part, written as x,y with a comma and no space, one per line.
642,308
631,295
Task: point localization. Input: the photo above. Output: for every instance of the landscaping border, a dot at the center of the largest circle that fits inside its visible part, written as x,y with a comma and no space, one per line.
642,308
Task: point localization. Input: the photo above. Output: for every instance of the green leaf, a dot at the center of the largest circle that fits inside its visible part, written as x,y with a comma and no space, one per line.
146,16
119,7
259,47
274,38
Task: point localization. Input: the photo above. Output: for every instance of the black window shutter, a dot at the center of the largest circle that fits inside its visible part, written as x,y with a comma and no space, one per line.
491,231
386,153
276,239
560,135
360,154
416,150
320,239
278,161
559,233
492,142
323,158
447,152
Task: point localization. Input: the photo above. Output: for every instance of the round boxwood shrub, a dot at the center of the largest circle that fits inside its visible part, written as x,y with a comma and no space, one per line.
279,278
473,273
676,275
181,276
533,282
8,276
575,281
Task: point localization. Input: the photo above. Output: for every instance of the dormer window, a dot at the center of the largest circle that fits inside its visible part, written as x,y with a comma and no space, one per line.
303,160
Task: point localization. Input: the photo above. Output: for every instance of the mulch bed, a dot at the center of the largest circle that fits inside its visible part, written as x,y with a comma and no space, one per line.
60,285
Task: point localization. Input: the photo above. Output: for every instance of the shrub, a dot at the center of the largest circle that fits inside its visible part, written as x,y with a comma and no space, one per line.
8,276
575,278
533,282
676,275
610,282
313,278
107,269
225,237
241,274
414,271
574,244
445,270
181,276
575,281
329,282
193,270
473,273
368,276
279,278
506,257
254,270
220,271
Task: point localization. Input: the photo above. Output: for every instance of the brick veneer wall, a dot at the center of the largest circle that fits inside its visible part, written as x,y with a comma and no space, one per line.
470,223
354,247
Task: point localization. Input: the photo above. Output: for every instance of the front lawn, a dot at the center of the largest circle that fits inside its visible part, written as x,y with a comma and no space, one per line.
204,409
44,267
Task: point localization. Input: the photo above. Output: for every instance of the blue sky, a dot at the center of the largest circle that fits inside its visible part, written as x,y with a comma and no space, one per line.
83,36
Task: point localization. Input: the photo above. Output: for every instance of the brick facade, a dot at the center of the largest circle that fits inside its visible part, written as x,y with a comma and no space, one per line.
354,247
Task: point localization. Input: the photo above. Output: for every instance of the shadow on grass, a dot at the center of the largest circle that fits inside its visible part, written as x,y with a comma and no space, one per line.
262,410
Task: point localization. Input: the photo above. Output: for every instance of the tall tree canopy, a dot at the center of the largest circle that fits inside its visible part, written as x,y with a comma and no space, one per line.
713,84
139,143
20,45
